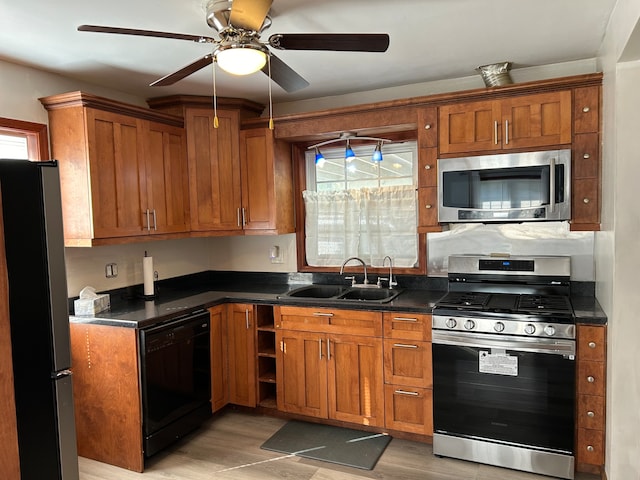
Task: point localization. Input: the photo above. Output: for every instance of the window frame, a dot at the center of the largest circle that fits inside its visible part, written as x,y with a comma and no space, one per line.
300,176
35,133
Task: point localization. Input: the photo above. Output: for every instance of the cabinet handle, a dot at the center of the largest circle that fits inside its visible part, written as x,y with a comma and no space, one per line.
592,344
506,132
328,349
428,206
590,414
427,167
238,215
585,109
155,223
590,379
404,319
244,217
148,222
246,317
320,348
586,156
404,345
322,314
495,132
590,448
404,392
427,126
585,200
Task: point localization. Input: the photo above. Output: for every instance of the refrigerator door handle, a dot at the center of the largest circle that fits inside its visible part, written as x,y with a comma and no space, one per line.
61,374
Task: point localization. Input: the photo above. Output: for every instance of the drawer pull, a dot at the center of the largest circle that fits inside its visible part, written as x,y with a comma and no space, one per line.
427,126
586,156
592,344
427,167
428,206
585,200
590,414
322,314
585,109
404,392
590,379
404,319
404,345
590,448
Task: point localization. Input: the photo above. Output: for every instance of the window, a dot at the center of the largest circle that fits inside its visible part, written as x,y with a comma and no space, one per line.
19,139
362,208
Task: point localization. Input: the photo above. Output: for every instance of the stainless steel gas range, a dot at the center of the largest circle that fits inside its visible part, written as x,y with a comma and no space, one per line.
504,363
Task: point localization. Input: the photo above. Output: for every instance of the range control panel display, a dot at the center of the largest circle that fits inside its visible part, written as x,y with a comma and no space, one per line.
506,265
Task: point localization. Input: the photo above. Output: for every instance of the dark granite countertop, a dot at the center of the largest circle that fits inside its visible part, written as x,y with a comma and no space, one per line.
180,298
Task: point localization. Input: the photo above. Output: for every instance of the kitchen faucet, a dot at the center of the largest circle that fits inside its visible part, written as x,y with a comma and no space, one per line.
392,282
353,278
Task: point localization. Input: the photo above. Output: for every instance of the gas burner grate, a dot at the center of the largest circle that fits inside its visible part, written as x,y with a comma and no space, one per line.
551,304
465,300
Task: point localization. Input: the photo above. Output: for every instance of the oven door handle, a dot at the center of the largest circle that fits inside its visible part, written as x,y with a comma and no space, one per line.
533,345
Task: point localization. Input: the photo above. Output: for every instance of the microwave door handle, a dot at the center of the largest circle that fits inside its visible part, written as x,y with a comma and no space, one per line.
552,184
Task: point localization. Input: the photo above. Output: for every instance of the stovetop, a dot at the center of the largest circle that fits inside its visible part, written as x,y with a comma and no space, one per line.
527,304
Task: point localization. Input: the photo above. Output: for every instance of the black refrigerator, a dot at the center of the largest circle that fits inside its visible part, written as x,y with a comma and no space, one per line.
39,319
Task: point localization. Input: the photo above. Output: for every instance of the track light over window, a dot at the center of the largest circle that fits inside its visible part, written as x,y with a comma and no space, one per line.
349,154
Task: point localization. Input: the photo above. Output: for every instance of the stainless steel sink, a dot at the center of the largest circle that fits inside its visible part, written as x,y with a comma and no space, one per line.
342,293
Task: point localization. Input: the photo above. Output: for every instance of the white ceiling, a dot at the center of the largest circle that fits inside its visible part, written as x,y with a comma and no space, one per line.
429,40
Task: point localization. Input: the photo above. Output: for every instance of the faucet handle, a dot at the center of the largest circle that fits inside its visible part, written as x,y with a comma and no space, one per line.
379,282
352,278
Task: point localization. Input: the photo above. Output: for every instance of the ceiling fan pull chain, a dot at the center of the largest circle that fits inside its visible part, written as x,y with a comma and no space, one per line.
215,100
270,100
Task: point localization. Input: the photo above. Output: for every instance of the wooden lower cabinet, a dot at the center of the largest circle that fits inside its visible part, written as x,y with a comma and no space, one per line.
408,372
241,354
591,388
325,374
106,389
219,358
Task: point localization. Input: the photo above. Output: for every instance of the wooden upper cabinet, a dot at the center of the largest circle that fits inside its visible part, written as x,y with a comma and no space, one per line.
214,170
529,121
267,183
122,170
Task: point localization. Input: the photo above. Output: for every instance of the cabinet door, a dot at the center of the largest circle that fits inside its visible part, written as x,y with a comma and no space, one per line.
118,186
214,170
302,373
167,178
355,380
258,182
242,354
469,127
536,120
219,371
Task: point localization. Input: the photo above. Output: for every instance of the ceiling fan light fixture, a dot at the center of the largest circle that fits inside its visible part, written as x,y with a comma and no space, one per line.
241,59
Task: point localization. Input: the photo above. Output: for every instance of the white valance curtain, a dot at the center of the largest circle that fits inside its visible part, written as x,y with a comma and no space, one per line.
369,223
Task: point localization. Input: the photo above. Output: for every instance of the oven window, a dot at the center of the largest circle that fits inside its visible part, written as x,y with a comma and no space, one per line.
534,407
512,188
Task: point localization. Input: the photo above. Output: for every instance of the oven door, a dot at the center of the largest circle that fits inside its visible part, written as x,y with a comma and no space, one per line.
510,390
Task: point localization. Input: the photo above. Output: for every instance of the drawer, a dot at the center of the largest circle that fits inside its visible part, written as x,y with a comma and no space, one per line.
591,379
591,343
590,447
408,409
586,156
407,326
329,320
407,363
591,412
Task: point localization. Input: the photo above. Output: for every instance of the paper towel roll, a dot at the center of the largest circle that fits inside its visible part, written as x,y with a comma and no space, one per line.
147,272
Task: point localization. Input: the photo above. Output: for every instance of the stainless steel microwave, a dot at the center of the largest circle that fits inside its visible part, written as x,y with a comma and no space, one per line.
513,187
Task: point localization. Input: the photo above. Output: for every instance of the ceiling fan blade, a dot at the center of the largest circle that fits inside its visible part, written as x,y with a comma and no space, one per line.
284,75
183,72
337,42
249,14
146,33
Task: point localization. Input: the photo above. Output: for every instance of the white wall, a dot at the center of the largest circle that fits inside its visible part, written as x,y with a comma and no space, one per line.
616,248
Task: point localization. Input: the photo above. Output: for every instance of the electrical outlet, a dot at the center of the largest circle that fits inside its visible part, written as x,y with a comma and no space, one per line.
111,270
275,254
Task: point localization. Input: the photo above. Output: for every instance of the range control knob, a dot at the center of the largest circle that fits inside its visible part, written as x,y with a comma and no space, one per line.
530,329
451,323
499,327
469,324
550,330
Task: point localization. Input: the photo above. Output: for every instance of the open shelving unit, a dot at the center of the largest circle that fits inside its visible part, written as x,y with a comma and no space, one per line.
266,356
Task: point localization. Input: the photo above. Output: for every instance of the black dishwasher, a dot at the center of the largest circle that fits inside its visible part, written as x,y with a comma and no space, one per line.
175,379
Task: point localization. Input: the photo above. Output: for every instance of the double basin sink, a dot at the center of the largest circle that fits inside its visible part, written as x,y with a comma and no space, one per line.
342,293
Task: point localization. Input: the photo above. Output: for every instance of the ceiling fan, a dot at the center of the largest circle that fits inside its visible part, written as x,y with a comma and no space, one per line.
239,24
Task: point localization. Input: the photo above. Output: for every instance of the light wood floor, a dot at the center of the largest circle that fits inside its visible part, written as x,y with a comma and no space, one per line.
228,448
